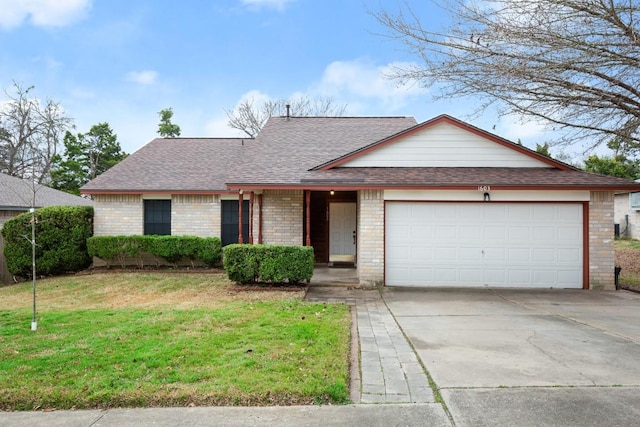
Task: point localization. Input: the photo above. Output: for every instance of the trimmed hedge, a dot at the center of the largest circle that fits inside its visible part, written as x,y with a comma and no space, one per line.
61,240
171,248
268,263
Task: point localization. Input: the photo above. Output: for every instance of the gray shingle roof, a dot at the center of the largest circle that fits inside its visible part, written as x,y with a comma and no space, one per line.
286,151
175,164
414,177
288,147
16,193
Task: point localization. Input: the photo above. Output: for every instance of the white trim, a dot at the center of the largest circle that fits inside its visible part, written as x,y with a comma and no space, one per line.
496,196
445,145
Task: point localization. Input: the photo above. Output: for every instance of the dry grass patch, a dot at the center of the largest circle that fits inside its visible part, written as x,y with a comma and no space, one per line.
140,290
628,258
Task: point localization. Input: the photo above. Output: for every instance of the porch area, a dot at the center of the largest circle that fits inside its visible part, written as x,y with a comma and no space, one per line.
324,275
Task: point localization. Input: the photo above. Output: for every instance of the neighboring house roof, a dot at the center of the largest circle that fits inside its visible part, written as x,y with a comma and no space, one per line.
18,194
175,164
312,152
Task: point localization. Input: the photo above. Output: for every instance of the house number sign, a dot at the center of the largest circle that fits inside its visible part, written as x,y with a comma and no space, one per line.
484,188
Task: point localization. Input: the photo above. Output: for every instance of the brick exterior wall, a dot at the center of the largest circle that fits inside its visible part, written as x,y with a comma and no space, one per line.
117,214
282,213
601,248
195,215
371,237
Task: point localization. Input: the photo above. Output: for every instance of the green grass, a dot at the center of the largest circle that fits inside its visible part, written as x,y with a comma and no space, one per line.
276,350
627,244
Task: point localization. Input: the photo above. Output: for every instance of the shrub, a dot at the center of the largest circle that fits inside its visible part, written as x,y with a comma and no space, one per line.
61,240
268,263
170,248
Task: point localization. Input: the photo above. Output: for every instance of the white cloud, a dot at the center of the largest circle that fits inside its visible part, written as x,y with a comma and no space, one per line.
146,77
42,13
360,83
273,4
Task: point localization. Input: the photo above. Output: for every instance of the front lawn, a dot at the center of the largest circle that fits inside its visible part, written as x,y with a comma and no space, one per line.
628,258
168,339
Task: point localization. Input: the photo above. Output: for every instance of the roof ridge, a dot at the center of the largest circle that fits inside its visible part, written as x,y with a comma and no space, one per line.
345,117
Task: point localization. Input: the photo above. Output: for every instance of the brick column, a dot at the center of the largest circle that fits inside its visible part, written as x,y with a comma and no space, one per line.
601,248
371,237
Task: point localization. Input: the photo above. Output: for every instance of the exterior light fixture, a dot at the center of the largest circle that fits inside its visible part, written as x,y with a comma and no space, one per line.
487,197
332,192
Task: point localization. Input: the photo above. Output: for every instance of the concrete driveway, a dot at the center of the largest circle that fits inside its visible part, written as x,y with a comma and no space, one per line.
527,357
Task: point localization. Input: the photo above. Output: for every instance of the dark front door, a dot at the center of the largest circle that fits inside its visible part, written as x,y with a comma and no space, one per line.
230,221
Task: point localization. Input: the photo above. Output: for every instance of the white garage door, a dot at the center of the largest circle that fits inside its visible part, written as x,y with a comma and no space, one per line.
533,245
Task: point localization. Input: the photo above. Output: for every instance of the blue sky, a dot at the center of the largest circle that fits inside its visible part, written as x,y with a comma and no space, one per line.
122,61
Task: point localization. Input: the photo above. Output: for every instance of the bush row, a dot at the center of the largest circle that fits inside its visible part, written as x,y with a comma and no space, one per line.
61,240
268,263
171,248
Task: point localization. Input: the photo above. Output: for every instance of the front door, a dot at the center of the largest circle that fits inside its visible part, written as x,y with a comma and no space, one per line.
342,232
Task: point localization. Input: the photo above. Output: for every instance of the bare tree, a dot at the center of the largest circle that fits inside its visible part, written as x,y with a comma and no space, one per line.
572,63
30,132
250,118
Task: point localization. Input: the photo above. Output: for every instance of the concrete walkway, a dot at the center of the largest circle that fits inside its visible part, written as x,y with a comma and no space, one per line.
389,368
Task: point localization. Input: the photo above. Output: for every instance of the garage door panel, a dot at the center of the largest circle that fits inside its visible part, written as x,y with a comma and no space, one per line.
470,232
544,255
570,276
424,254
569,233
419,273
446,231
569,256
493,277
471,254
545,277
519,276
446,254
519,255
422,231
483,244
520,232
544,234
445,275
494,232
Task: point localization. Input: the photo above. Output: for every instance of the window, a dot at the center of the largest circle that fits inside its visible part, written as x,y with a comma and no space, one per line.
230,221
634,201
157,217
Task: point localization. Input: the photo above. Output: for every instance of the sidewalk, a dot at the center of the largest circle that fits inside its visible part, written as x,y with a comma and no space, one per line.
365,415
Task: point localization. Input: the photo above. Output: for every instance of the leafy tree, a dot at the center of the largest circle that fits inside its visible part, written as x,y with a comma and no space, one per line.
543,149
618,166
166,129
250,118
571,63
86,156
30,133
